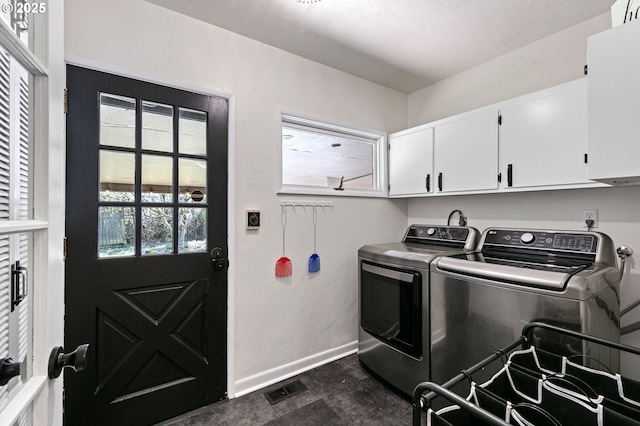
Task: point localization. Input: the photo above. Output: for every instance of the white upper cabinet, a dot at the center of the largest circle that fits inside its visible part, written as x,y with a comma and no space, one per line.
466,152
543,138
544,142
411,162
614,104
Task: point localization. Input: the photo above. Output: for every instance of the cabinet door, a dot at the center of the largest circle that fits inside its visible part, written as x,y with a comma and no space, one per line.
543,140
466,153
411,162
614,102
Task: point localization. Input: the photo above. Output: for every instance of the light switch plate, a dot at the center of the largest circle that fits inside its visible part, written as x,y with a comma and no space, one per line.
253,219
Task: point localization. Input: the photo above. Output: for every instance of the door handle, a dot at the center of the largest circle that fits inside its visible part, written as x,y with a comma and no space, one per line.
218,262
19,284
77,360
8,370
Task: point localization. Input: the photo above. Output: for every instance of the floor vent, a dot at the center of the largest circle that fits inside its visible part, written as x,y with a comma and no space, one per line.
285,392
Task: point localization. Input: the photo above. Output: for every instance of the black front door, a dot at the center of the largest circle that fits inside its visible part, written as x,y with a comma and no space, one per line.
146,226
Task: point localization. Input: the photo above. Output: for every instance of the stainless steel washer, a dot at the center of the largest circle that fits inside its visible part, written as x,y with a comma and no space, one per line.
565,278
393,336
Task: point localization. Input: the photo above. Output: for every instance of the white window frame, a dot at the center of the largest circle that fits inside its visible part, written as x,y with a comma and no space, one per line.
379,141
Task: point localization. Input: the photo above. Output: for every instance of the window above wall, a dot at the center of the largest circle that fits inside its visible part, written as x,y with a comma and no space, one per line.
316,157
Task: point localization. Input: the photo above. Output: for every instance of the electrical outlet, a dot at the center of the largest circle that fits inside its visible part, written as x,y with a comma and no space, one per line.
590,214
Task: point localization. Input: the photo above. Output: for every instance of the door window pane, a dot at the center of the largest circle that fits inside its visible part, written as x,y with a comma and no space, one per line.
117,176
192,138
192,230
157,126
117,121
157,230
116,231
192,180
157,179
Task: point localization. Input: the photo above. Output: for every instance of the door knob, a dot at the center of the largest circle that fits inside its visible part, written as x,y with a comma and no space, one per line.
59,360
8,369
218,262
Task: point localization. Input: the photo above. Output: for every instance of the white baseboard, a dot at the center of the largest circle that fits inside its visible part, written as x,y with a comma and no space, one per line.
269,377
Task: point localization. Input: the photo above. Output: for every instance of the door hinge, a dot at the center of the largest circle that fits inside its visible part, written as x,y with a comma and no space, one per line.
64,248
500,120
66,101
586,70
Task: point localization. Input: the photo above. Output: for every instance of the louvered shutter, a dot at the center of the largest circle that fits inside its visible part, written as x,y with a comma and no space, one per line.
24,323
5,281
4,135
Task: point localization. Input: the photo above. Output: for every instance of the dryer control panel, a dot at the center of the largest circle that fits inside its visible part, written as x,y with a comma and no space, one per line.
428,232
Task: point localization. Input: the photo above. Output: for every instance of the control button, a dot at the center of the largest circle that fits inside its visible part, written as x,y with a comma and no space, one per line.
527,238
549,240
431,232
507,237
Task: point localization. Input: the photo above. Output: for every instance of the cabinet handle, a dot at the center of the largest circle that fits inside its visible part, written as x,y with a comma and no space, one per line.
440,181
428,183
510,175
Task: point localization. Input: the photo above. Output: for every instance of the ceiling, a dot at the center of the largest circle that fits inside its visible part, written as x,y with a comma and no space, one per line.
402,44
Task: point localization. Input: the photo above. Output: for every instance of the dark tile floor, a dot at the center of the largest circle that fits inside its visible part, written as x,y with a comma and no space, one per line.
340,393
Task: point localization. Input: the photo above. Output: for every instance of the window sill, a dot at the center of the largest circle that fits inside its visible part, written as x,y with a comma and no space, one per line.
309,190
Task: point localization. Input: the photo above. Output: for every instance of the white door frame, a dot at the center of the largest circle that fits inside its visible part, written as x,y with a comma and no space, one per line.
44,396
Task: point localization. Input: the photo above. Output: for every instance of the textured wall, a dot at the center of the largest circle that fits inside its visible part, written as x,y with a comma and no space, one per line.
274,321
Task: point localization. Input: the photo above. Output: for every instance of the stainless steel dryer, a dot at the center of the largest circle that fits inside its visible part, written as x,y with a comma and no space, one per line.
393,336
565,278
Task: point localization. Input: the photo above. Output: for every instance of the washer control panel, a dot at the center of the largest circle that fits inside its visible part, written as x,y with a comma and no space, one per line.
546,240
427,232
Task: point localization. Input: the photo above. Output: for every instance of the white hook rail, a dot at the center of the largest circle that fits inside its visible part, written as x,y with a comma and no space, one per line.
305,204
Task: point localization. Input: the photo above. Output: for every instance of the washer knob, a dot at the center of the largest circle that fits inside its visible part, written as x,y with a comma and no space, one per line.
527,238
431,232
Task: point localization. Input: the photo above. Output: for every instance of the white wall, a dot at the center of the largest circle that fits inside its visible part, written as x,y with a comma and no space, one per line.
552,61
276,322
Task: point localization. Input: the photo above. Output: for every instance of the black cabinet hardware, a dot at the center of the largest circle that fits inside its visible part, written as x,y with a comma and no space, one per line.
19,284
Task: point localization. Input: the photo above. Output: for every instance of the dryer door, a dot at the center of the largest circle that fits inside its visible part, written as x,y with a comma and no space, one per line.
390,306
